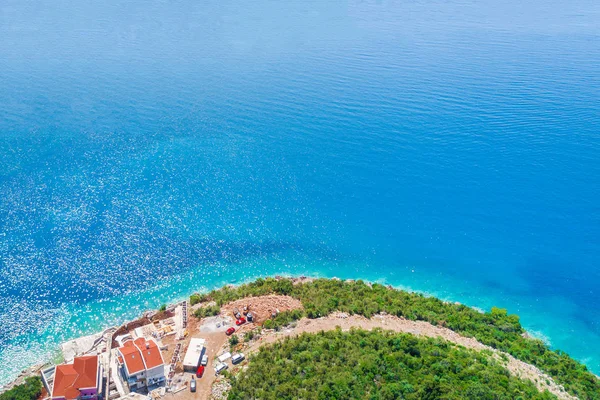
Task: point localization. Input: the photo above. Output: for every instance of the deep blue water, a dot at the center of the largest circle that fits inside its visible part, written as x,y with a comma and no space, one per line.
153,148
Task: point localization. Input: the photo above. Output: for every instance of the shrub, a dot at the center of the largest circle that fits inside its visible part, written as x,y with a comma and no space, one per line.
198,298
249,336
30,390
375,365
283,319
209,311
194,299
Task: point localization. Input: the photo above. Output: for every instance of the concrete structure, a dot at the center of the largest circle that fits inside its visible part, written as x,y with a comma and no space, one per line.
48,377
121,339
194,353
147,331
141,364
81,380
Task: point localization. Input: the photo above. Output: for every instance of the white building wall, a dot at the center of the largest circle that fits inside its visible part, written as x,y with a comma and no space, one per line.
156,374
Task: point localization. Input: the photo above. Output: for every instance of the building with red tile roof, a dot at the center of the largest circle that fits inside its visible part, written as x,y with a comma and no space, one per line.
142,363
150,353
80,380
132,359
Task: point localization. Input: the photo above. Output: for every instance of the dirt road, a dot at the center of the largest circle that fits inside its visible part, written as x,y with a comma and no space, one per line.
262,306
516,367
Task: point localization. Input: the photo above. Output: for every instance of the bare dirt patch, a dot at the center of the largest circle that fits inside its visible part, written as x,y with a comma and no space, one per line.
215,340
302,279
212,329
263,306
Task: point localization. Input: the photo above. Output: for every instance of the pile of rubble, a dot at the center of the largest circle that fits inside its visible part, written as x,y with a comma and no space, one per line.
220,389
263,307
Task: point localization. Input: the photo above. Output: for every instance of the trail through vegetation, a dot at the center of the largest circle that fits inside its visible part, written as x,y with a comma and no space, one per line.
375,364
496,328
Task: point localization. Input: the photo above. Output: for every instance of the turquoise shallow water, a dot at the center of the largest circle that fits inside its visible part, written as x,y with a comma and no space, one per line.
151,149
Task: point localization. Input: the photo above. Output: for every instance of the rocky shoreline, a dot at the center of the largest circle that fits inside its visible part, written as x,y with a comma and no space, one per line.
94,342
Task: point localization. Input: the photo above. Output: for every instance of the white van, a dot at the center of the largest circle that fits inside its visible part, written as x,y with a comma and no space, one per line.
237,358
224,357
220,367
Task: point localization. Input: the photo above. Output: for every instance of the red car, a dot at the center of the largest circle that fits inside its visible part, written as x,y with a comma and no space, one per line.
240,321
200,372
230,331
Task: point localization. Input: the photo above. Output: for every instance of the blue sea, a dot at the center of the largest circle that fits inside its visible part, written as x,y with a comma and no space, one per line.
153,148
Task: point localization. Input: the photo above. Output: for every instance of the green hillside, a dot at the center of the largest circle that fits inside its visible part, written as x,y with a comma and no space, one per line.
495,328
375,365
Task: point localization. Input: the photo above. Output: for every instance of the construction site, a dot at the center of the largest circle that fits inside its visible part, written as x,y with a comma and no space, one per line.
167,353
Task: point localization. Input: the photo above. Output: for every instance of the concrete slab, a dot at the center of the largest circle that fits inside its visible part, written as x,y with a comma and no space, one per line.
79,346
216,324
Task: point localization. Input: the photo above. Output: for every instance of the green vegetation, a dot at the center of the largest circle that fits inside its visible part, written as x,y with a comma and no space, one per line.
209,311
496,328
198,298
249,336
233,340
30,390
283,319
375,365
163,308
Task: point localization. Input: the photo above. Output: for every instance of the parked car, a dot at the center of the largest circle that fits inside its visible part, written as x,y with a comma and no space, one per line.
200,371
230,331
193,385
240,321
237,358
204,360
250,317
220,367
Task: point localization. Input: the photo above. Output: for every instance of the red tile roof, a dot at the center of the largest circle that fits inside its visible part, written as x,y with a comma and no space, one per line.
132,357
70,378
150,352
140,355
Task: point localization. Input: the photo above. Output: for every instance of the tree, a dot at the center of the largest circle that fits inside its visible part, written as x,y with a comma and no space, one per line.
30,390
